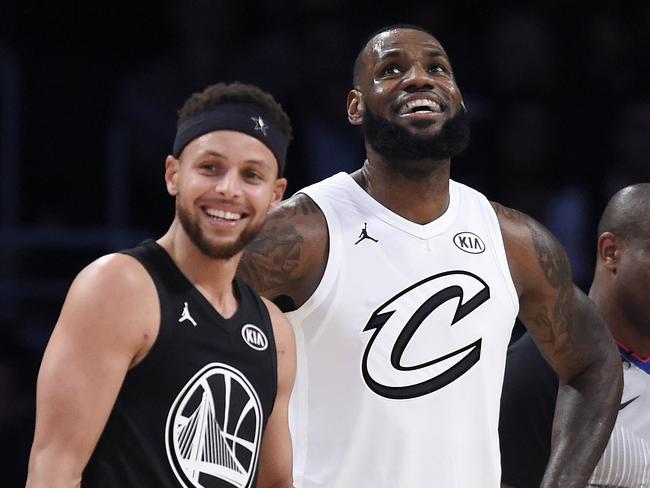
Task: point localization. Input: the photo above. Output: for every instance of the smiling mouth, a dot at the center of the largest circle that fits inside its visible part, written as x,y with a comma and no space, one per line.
420,106
222,215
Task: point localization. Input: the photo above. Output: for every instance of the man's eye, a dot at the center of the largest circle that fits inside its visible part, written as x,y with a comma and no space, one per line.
391,69
439,68
253,175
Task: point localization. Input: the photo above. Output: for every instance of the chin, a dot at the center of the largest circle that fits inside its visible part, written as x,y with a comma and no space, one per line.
437,139
433,127
222,250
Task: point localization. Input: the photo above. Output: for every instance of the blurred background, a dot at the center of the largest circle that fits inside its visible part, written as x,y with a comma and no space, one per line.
558,93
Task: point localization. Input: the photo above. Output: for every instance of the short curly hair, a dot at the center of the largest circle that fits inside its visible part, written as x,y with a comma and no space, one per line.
225,93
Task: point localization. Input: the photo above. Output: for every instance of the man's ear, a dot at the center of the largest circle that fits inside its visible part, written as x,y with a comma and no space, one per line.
610,249
356,107
278,192
171,175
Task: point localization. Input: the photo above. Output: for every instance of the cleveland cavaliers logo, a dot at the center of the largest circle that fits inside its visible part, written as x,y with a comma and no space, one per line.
434,304
214,429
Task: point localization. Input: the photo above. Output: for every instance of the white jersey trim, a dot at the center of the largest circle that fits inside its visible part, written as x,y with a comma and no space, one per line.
333,261
499,250
421,231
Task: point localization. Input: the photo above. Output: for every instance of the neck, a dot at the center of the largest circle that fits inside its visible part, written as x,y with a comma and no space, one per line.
212,277
624,330
415,190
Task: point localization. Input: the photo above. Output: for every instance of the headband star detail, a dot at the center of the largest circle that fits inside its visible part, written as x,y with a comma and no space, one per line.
260,125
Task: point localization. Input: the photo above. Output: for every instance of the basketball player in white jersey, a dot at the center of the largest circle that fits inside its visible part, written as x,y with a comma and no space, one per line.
621,293
405,286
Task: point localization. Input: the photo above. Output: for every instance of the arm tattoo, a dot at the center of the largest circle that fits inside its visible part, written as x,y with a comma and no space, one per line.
272,259
568,330
551,257
552,321
555,321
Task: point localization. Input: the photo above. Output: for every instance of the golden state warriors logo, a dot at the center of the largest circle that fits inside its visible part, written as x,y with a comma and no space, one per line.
214,429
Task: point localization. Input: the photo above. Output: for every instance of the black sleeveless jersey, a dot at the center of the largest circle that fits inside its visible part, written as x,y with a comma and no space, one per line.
192,413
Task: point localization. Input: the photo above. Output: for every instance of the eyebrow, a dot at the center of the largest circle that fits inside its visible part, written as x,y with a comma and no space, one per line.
260,162
396,52
211,152
432,53
393,53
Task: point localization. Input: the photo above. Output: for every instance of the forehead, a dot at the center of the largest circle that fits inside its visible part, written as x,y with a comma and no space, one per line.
232,145
396,40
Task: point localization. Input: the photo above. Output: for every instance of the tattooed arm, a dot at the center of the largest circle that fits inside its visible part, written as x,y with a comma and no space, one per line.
287,259
574,340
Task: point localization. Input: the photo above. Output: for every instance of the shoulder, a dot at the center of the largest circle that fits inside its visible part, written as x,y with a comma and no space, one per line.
515,225
532,250
289,255
114,277
113,300
298,213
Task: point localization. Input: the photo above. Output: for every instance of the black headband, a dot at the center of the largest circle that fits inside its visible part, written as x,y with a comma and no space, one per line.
245,118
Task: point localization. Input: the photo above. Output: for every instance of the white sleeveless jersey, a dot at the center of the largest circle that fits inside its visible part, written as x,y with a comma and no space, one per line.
401,348
626,460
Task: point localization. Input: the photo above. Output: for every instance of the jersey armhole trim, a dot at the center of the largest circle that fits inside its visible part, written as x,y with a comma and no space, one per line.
161,311
333,262
496,238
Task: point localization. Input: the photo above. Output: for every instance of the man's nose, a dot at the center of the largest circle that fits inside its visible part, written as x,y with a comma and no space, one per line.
418,78
227,185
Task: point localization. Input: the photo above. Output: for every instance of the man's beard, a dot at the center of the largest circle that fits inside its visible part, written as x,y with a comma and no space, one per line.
396,143
214,251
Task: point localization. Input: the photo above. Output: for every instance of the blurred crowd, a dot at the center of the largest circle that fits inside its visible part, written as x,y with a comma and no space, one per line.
558,94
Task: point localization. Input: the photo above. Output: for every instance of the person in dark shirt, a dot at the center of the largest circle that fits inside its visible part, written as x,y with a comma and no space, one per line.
164,369
620,293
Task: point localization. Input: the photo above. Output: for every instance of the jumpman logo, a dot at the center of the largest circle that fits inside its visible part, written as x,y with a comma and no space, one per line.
186,315
364,234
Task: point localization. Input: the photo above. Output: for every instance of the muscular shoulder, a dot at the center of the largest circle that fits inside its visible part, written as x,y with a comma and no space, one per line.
535,256
288,257
114,279
112,299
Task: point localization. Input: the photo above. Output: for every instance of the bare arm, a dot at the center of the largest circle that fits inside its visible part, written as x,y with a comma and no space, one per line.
276,454
289,256
104,329
574,340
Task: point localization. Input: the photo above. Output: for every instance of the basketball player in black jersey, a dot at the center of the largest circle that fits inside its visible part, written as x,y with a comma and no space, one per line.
164,370
406,99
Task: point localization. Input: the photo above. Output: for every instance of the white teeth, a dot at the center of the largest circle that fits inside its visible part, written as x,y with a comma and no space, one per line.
222,214
421,103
